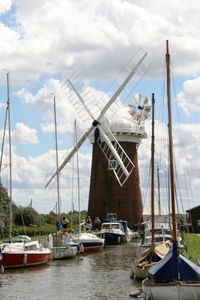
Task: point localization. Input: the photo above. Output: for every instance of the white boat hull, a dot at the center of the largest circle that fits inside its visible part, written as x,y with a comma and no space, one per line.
91,242
61,246
171,290
63,252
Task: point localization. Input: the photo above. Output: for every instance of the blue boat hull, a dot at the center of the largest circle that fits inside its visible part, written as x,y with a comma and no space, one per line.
113,239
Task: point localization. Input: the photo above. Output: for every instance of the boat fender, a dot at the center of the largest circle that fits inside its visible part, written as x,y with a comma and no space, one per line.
135,293
1,268
1,254
80,248
25,259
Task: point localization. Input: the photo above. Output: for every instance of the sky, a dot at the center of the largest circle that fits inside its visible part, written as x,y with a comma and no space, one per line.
44,42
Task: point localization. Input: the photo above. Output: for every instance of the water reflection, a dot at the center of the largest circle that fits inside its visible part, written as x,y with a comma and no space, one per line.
104,275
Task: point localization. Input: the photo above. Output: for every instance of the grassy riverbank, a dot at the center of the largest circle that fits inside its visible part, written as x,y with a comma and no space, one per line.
192,247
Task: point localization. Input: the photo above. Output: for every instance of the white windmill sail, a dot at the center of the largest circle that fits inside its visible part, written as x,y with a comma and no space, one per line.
124,165
110,147
117,158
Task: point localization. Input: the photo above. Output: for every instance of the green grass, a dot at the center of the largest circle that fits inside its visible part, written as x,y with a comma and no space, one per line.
35,232
192,247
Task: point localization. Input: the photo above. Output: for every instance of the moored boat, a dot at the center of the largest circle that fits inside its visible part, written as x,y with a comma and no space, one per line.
23,254
156,250
113,233
90,241
162,232
59,242
174,277
149,257
19,251
61,246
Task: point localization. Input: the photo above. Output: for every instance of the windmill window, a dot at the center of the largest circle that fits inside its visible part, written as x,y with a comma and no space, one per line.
112,164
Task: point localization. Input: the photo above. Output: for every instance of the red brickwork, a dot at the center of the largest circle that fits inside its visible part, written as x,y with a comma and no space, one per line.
107,196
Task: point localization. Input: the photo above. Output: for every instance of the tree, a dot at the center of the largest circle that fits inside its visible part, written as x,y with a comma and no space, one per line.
4,211
27,216
50,218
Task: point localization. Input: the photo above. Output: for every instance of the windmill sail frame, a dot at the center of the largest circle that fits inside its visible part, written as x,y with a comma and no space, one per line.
114,152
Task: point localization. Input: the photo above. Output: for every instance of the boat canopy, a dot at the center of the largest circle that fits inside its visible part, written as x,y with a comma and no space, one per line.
113,224
19,239
157,253
125,225
174,267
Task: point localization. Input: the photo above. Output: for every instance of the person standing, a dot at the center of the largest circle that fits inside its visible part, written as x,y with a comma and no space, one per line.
97,223
58,225
88,226
65,224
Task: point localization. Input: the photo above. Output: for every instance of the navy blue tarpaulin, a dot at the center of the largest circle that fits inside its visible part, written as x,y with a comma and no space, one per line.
174,267
125,225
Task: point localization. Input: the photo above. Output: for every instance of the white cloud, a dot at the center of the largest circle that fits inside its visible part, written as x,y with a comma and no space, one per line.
51,36
43,99
50,127
24,135
5,5
186,163
26,96
32,174
188,151
189,99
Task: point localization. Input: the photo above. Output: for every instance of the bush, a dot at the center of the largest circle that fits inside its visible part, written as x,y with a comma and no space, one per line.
27,216
34,230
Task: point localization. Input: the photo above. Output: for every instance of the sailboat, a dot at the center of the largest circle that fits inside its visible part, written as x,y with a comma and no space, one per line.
90,241
155,252
60,243
162,226
24,253
174,277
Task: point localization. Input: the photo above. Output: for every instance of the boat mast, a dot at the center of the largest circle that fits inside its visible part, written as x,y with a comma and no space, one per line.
158,176
152,176
3,142
172,184
57,173
78,179
10,154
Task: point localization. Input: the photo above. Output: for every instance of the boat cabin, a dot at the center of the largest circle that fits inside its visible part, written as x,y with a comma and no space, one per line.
112,225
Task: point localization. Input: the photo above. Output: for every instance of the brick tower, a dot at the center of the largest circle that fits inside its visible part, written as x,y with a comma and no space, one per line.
106,195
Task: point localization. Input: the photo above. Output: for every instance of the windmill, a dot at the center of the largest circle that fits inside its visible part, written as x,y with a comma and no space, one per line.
107,150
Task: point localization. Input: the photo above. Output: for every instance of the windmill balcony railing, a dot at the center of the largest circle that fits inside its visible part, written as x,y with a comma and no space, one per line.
128,128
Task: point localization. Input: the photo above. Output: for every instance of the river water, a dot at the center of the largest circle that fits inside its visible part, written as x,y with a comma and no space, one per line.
102,275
